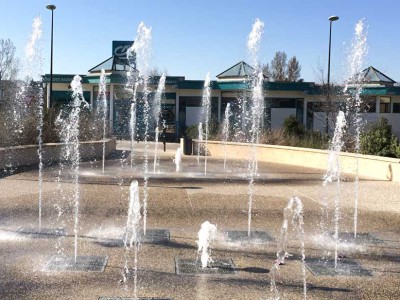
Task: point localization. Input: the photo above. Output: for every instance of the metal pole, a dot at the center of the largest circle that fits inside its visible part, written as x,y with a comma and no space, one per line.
51,58
52,8
329,77
329,56
331,19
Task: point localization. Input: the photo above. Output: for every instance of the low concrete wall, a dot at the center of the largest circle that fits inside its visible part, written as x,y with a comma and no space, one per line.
370,167
27,155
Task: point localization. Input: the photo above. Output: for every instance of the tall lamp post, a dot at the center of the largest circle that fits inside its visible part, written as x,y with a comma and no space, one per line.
52,8
331,19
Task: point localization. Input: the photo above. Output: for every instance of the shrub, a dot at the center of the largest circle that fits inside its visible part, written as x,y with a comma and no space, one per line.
292,127
379,140
214,130
192,131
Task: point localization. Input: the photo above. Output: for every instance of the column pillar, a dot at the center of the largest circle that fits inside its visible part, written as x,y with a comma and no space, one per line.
111,109
177,123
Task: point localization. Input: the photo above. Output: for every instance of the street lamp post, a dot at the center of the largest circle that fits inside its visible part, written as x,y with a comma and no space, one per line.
52,8
331,19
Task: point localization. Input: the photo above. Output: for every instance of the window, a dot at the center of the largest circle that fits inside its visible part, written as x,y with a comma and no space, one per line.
283,102
384,105
396,106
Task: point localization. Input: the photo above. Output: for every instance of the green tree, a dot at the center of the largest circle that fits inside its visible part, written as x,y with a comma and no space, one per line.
379,140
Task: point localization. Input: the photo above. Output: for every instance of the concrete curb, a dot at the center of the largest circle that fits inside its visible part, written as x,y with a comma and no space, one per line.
28,154
370,167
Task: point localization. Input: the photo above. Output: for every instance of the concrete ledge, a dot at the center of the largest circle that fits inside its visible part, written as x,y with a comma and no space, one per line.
370,167
27,155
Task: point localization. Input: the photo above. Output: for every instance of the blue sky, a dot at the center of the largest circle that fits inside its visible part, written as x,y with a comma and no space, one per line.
191,38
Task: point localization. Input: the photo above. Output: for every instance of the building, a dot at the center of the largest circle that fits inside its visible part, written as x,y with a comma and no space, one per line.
182,100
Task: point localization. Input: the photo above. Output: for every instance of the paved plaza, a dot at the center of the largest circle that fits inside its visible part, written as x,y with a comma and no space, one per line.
180,203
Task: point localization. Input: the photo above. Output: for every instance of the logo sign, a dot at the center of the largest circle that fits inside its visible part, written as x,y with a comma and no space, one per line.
119,48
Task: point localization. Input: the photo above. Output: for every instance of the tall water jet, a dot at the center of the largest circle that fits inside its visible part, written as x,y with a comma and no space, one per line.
35,62
333,173
156,116
206,235
132,122
206,111
132,232
354,85
142,49
132,86
70,137
293,214
225,130
102,109
257,109
200,143
178,160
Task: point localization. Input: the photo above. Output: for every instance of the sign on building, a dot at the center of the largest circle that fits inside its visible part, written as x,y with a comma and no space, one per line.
119,48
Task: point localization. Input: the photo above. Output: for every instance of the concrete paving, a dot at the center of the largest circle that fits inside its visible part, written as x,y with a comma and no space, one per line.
181,203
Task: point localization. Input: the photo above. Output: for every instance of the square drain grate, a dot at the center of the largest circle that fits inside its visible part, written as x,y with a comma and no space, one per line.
362,238
140,298
256,237
153,236
326,267
193,267
82,264
43,233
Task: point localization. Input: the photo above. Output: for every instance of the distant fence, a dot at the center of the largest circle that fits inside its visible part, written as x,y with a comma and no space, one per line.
27,155
369,166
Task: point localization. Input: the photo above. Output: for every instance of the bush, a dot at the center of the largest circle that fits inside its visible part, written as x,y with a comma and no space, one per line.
292,127
214,130
379,140
192,132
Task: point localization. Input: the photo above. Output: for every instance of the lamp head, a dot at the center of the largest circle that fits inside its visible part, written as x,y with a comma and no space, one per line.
51,7
333,18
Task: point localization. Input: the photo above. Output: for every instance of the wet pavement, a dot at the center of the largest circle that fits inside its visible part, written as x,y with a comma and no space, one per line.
180,203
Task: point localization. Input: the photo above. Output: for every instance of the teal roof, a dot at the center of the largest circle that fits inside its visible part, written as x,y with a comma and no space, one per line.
241,69
229,86
195,85
381,91
307,87
372,75
169,80
62,78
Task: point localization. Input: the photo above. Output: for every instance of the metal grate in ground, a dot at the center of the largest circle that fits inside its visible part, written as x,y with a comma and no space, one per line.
185,266
82,264
43,233
153,236
326,267
140,298
256,236
362,238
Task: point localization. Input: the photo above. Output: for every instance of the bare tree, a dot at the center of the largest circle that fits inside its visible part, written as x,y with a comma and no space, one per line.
278,66
328,99
293,69
154,72
282,70
8,67
267,71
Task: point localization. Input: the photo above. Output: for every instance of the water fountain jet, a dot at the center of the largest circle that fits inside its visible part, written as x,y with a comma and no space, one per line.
257,110
356,59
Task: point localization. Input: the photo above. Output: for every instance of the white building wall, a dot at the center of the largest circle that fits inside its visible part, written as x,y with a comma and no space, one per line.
278,116
319,121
